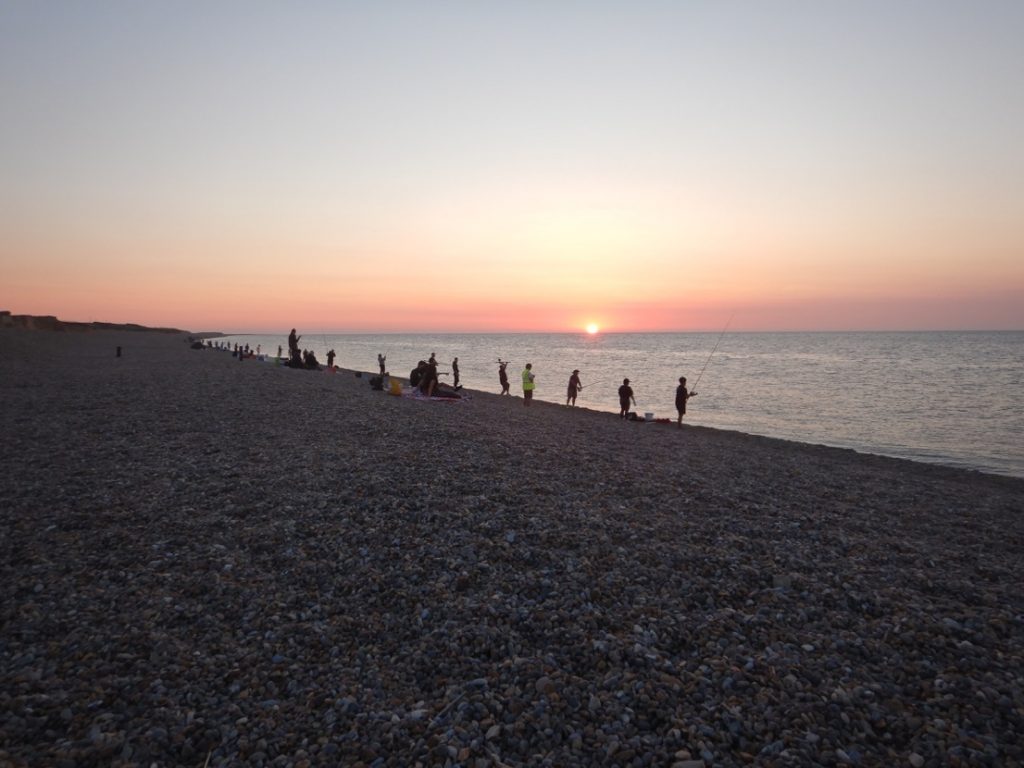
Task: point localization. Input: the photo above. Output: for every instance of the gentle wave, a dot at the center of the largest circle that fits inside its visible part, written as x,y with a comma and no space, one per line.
944,397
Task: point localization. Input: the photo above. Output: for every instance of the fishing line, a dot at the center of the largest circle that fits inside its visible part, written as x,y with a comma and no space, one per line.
694,388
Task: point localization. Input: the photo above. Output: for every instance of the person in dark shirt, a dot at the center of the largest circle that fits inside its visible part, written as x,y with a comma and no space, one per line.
295,357
330,359
574,387
503,377
416,374
681,397
428,381
455,373
625,396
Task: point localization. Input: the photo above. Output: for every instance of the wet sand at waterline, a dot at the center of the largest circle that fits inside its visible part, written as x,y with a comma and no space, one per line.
207,559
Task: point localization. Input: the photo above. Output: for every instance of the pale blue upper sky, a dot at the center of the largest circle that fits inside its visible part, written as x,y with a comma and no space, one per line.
851,130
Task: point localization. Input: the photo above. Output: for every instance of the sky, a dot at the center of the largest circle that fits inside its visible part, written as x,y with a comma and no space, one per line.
528,166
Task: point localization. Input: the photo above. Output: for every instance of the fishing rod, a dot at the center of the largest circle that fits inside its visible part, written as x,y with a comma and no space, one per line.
713,349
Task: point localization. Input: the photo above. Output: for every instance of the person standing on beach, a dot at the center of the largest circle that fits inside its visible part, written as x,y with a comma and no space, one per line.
528,384
574,387
381,359
294,354
455,373
503,377
330,359
625,395
681,397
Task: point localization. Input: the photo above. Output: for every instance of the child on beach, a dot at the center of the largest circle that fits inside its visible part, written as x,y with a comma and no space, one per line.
625,395
681,397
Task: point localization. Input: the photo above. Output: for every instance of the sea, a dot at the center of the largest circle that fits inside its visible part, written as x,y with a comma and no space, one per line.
951,398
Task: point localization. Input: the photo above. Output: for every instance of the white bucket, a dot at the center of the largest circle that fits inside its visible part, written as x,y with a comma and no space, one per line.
648,417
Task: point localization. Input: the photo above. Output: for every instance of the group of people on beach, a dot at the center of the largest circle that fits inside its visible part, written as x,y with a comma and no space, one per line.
425,379
626,395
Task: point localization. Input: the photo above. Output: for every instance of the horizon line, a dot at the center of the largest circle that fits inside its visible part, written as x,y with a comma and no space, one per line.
318,332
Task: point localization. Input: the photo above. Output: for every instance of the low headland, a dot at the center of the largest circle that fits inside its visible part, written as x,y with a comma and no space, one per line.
52,323
208,561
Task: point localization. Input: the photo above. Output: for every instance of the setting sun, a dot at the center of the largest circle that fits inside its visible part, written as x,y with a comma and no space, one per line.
593,328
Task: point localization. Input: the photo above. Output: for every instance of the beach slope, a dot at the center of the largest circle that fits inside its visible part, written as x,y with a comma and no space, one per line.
207,561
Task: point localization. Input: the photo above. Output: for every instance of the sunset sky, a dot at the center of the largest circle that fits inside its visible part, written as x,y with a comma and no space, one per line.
464,166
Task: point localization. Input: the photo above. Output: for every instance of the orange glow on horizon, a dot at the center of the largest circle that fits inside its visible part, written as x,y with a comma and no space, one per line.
205,287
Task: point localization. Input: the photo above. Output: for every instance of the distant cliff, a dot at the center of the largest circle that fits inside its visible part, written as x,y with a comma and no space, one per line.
51,323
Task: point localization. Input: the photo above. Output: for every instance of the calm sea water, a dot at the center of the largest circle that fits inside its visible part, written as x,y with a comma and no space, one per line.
952,398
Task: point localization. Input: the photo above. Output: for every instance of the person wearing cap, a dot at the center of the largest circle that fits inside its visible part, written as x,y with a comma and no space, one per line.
681,397
574,387
625,395
528,384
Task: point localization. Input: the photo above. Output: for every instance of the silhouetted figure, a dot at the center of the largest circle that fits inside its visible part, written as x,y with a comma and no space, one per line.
295,359
330,359
428,380
118,352
503,377
279,350
625,395
574,387
381,359
416,374
455,373
681,397
309,361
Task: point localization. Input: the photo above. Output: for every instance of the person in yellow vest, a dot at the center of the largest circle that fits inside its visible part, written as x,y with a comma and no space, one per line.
528,384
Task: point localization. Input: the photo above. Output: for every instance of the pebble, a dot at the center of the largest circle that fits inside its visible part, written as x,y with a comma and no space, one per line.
252,565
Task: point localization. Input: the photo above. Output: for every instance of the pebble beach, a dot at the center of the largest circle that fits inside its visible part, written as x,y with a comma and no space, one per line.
207,562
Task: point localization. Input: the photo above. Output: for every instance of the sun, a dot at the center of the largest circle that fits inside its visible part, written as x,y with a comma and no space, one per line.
593,328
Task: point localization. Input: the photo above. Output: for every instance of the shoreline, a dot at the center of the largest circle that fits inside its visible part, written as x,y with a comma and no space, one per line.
212,559
973,429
